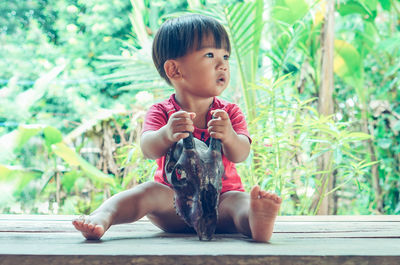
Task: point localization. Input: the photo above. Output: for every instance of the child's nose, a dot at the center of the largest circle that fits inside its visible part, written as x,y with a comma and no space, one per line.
223,65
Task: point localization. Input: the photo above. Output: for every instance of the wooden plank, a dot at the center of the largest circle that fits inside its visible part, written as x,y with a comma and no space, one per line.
145,243
310,226
309,240
340,218
296,218
209,260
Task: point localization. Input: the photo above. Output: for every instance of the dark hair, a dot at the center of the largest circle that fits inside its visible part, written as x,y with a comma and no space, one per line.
178,36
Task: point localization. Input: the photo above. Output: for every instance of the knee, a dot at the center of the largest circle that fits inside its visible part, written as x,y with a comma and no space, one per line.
151,187
155,194
148,186
234,197
141,193
235,203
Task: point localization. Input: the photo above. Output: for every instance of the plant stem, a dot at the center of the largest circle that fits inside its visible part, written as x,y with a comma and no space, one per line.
324,181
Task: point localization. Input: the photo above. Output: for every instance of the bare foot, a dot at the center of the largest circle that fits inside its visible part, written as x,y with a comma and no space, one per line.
264,208
93,226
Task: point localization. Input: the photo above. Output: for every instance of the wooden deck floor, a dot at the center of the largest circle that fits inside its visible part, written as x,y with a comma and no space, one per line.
29,239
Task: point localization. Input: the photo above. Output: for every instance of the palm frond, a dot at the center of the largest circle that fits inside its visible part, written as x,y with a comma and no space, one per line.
137,20
245,23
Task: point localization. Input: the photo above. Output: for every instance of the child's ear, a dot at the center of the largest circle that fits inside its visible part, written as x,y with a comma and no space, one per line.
172,70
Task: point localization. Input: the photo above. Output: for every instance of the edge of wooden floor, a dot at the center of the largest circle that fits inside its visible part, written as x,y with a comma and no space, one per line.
294,218
194,260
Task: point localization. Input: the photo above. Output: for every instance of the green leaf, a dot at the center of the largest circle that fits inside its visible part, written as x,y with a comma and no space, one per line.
368,37
392,71
5,173
74,159
315,156
370,4
289,11
358,136
390,45
367,10
338,156
385,143
244,23
137,19
349,56
396,127
68,180
29,97
24,133
352,7
20,176
52,136
87,125
369,164
348,66
386,4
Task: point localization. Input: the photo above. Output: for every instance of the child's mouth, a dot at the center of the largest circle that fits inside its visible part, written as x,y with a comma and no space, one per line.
221,80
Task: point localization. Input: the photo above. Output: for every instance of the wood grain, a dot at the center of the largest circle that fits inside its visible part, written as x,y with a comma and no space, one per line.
27,239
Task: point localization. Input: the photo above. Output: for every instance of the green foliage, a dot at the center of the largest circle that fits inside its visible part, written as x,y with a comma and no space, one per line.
288,137
244,23
73,159
140,169
52,141
68,142
289,11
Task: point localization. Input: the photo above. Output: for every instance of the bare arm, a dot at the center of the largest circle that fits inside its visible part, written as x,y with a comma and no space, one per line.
155,144
236,147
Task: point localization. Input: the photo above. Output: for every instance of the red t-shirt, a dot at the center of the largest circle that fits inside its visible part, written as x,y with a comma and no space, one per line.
158,115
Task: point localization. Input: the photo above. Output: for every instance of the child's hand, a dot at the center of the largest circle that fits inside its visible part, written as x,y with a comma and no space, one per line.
179,124
220,127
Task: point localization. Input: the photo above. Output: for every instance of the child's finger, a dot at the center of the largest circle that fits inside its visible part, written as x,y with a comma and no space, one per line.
218,122
180,135
183,128
219,113
192,115
216,135
181,121
216,128
181,114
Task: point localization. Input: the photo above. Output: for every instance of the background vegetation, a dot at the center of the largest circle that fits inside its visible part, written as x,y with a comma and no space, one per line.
77,77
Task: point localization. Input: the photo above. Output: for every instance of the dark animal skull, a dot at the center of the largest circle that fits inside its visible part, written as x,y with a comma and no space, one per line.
194,171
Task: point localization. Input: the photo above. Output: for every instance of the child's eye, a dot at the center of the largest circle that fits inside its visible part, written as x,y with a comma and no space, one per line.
226,57
210,55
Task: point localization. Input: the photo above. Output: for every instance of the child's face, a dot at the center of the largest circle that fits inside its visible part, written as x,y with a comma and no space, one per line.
205,72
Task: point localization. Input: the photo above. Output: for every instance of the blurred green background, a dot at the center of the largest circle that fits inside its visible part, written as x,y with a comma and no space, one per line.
76,78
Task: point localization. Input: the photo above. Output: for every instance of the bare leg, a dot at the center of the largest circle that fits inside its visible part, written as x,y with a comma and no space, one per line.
152,199
252,215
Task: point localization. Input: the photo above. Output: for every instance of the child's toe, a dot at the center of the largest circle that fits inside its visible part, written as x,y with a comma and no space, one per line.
255,192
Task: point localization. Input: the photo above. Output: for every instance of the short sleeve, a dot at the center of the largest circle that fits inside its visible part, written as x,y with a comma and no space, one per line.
156,117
